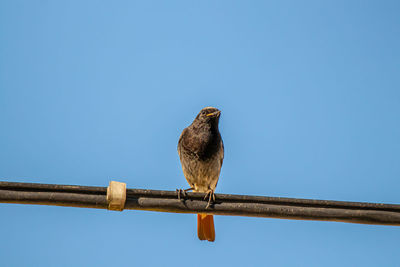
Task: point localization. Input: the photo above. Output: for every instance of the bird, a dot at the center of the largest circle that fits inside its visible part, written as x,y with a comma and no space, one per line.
201,152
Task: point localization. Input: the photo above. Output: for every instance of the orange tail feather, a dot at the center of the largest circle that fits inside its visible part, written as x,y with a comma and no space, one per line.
205,227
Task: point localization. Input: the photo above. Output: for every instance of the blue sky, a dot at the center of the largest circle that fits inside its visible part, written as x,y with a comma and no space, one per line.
93,91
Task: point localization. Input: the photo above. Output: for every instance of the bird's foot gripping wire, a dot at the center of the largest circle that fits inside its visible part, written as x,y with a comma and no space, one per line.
182,192
211,198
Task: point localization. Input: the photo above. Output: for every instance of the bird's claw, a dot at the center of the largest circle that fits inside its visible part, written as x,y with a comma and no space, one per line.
211,198
182,192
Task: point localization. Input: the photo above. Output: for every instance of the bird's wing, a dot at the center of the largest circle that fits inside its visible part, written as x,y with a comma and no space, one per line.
180,141
222,154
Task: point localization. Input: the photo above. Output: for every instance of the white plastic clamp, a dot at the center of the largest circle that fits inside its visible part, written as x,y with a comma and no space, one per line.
116,195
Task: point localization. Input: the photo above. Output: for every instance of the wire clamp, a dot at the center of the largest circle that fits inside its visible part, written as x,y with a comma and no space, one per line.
116,195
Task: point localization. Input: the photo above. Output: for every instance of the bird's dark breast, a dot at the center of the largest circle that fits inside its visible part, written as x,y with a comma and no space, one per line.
202,145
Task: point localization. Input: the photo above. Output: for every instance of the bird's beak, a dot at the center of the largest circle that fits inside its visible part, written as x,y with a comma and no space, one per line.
214,114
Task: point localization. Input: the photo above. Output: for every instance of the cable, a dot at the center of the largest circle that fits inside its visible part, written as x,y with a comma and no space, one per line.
236,205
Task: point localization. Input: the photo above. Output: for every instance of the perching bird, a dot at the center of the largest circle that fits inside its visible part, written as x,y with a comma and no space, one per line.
201,152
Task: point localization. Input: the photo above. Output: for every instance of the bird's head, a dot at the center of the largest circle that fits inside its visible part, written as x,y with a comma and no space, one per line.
208,115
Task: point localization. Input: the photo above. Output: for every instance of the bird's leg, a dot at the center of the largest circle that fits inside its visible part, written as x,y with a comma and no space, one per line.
183,192
211,197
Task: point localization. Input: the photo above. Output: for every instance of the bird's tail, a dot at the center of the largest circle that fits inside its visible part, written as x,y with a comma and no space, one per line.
205,227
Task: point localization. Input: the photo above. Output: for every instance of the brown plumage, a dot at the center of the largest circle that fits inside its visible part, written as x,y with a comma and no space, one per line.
201,152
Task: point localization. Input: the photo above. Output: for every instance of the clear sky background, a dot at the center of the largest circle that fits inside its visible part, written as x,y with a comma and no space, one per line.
97,90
